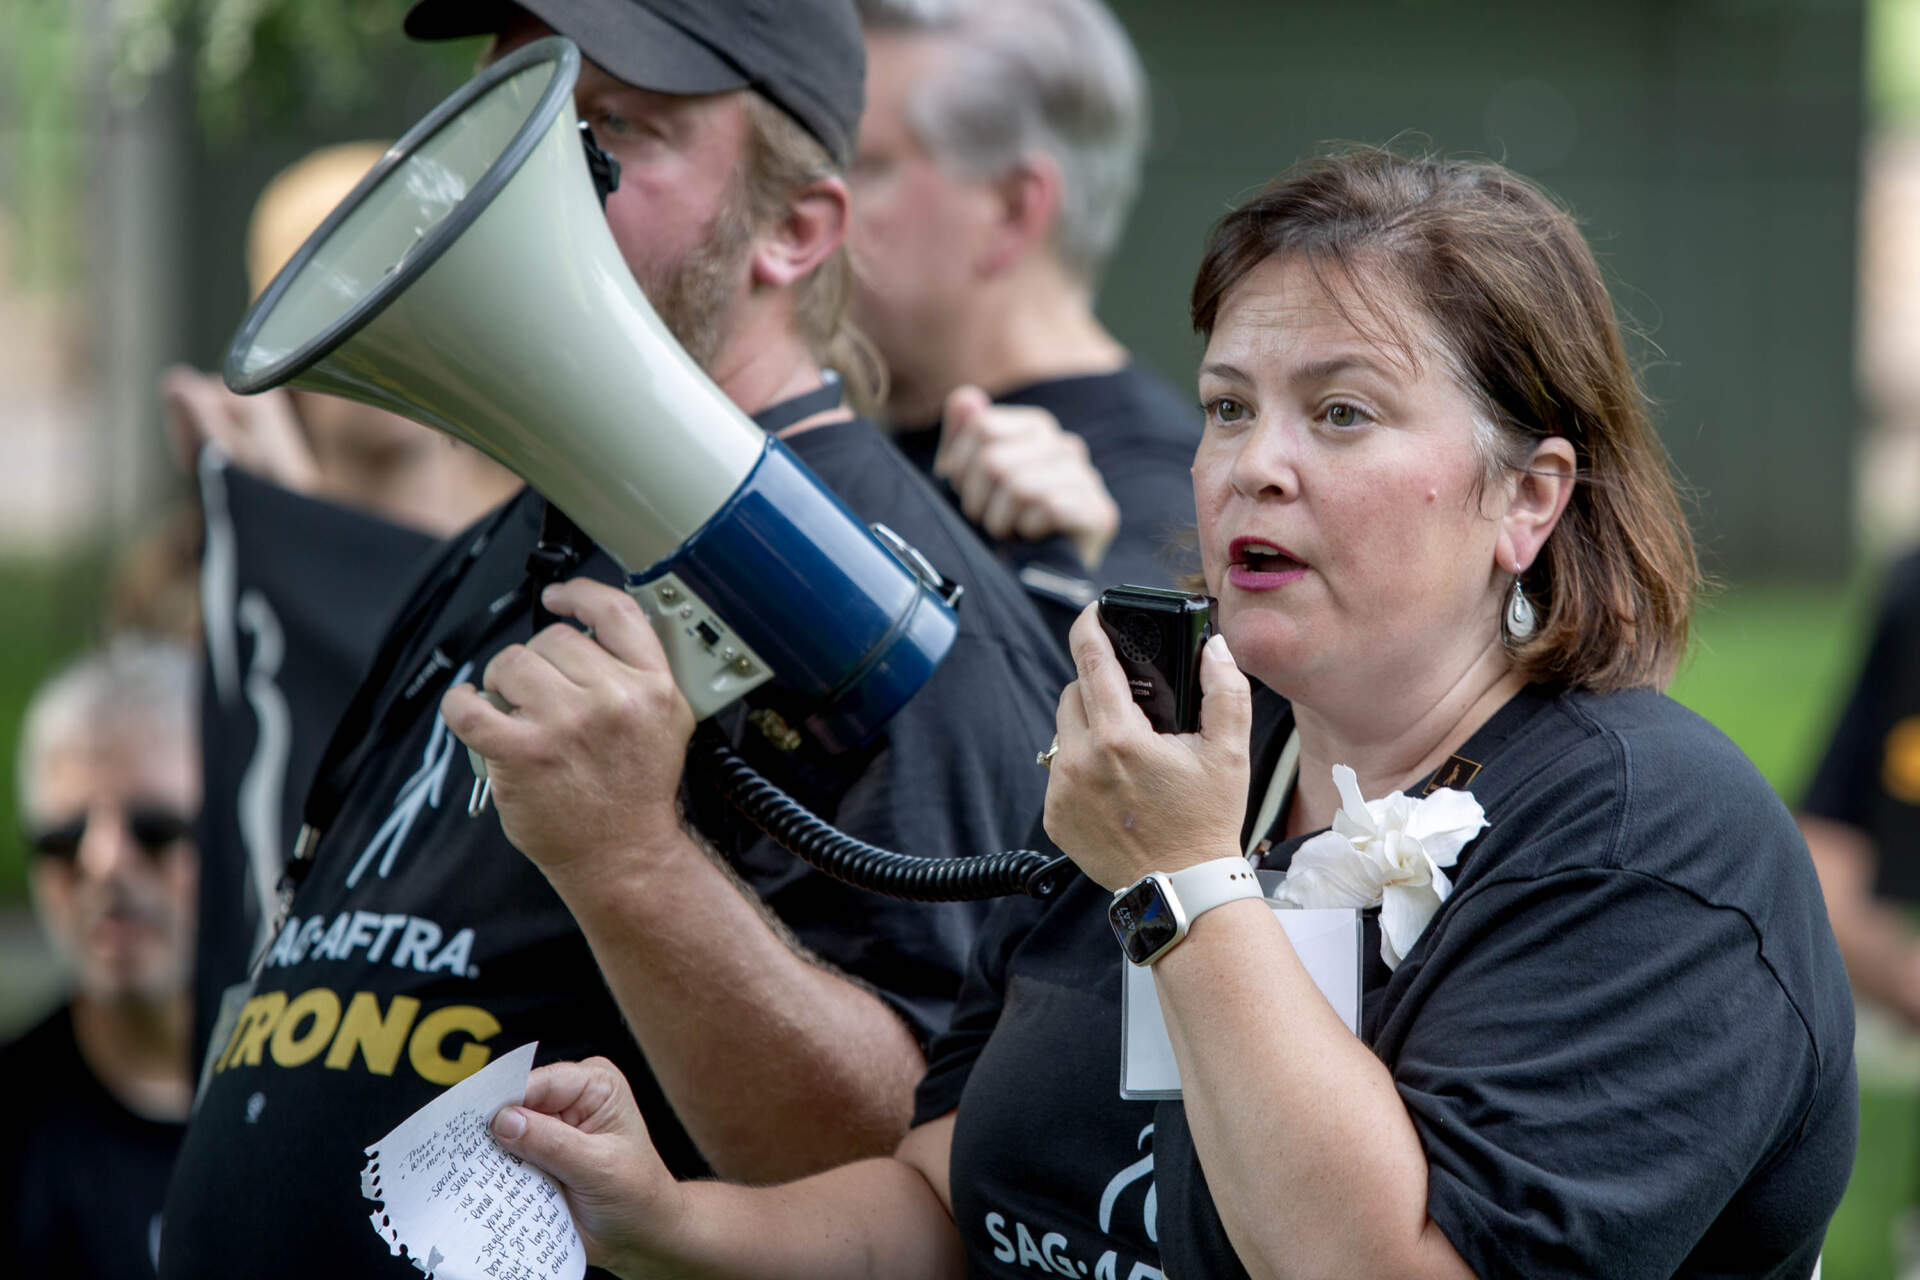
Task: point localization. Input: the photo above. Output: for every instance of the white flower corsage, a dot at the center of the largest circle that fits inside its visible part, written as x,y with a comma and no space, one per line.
1387,854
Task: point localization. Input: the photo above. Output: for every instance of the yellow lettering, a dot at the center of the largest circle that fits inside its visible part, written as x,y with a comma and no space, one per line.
426,1049
293,1047
378,1039
256,1024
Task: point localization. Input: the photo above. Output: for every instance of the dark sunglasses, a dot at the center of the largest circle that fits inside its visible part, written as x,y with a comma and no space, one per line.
153,829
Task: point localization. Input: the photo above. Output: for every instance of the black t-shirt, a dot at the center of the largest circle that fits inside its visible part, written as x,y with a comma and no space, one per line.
1141,435
1625,1040
81,1177
292,618
422,943
1870,775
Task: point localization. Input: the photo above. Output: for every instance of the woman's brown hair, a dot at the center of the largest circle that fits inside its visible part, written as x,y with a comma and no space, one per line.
1511,288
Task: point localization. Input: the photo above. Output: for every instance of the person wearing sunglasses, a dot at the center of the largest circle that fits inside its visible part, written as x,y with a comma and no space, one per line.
109,788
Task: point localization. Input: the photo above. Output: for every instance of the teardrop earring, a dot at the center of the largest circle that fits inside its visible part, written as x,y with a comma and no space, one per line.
1518,622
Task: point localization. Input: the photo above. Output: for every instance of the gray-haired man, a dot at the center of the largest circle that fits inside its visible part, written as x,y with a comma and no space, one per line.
109,788
999,155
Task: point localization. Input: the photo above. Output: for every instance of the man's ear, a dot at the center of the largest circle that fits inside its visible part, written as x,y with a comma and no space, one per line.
1028,199
787,251
1539,493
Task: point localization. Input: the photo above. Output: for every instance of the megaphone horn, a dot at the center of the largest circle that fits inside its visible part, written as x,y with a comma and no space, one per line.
470,282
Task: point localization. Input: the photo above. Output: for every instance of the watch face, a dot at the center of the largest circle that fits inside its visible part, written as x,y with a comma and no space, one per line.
1144,921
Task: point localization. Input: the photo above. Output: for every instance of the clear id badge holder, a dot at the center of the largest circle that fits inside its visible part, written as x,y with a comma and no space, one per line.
1329,942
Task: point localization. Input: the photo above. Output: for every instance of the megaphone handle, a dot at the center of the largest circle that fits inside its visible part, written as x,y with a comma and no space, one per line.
561,550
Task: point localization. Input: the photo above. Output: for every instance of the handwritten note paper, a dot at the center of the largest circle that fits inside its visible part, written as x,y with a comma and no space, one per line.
458,1204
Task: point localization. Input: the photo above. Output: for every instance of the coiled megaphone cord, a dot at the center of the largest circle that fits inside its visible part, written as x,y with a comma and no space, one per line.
864,866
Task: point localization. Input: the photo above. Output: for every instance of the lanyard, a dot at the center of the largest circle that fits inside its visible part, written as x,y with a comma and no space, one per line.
384,708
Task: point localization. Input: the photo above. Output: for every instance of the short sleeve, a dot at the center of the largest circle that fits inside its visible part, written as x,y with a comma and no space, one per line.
1596,1061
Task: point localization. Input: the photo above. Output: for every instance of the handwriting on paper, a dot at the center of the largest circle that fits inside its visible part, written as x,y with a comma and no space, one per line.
457,1204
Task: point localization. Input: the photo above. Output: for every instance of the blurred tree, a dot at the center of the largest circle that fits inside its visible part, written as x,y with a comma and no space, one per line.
39,94
258,63
252,67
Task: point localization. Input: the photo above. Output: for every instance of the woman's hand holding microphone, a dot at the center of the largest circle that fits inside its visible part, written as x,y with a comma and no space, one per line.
1124,800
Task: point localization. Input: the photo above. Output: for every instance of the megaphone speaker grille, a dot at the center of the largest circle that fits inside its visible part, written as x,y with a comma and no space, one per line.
369,250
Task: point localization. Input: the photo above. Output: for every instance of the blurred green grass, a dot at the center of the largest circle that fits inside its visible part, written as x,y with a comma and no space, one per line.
1769,666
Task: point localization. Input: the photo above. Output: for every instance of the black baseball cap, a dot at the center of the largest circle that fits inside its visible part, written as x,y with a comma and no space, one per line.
806,56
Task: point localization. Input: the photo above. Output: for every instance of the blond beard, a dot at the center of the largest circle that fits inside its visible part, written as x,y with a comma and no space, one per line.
695,297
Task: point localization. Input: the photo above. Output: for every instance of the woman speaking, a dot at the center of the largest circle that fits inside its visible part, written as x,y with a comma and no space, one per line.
1604,1031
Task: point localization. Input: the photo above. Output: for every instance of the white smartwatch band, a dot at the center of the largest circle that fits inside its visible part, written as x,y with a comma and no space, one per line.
1213,884
1154,912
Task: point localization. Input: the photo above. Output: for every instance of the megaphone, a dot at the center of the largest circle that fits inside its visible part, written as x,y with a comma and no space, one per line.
470,282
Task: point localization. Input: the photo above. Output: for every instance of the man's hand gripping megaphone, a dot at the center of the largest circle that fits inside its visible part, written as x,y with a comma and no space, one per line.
582,735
